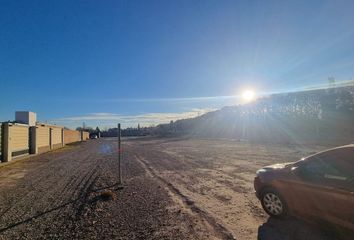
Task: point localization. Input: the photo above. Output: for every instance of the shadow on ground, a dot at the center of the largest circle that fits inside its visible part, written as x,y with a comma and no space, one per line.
105,195
294,229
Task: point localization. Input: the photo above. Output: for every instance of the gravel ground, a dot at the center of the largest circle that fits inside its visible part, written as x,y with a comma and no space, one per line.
57,196
173,189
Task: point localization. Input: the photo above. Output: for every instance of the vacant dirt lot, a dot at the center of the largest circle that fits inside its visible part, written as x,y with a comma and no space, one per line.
173,189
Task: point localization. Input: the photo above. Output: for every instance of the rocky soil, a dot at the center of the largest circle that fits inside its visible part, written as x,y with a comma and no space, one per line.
172,189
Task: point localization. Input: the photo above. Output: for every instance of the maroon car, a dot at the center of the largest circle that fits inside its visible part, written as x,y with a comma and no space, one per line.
320,186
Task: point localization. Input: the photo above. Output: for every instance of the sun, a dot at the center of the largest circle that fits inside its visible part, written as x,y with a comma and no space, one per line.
248,95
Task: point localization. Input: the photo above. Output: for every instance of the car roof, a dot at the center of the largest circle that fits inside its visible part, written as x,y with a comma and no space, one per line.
349,147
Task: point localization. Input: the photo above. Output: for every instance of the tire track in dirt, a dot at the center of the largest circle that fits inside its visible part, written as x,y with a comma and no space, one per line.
38,176
80,184
85,192
181,199
70,191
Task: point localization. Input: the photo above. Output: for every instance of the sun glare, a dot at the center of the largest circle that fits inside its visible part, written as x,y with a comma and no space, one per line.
248,95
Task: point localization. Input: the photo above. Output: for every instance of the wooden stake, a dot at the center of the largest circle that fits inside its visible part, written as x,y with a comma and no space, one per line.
119,156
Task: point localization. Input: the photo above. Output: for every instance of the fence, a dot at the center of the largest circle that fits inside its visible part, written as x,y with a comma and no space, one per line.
20,139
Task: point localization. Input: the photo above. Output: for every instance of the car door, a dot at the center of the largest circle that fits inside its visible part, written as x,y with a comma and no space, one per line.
298,190
325,181
338,197
302,188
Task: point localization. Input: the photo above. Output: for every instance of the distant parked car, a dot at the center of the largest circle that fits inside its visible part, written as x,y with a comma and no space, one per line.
320,186
93,136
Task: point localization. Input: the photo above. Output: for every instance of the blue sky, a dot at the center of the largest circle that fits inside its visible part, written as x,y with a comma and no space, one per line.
152,61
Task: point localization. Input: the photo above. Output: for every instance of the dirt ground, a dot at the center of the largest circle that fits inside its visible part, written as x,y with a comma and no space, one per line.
173,189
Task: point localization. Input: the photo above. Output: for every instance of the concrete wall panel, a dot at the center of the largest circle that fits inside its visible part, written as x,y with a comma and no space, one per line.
42,136
15,141
71,136
85,136
19,137
56,135
1,141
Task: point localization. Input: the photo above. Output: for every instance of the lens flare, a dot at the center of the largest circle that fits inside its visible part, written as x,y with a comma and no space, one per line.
248,95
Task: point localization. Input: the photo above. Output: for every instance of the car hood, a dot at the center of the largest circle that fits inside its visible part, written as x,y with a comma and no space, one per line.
277,166
274,167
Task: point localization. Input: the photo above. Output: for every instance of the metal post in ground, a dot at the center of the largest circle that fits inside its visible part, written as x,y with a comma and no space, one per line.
119,156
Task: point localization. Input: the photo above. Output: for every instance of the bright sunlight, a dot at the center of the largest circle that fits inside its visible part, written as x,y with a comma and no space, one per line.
248,95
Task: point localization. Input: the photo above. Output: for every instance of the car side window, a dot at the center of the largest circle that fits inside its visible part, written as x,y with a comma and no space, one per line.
320,168
335,167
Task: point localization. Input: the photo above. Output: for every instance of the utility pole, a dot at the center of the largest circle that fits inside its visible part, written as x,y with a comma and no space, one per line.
119,156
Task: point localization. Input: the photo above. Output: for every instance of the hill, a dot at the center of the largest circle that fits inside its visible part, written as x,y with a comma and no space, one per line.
325,115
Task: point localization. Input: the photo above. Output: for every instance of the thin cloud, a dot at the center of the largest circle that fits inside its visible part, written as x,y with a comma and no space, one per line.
151,100
146,119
